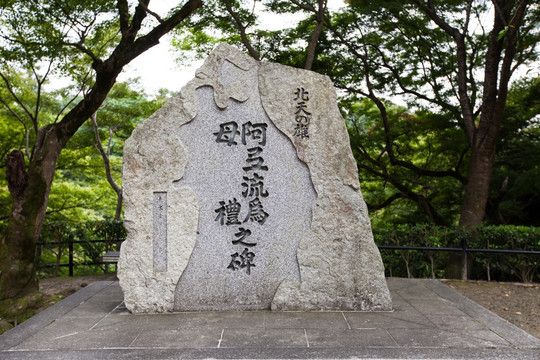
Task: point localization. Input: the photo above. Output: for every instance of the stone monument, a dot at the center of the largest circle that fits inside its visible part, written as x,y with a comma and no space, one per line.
242,193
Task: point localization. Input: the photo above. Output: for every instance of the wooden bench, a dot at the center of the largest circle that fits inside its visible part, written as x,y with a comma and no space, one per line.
110,257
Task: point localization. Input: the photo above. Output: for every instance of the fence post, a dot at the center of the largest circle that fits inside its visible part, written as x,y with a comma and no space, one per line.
70,257
464,259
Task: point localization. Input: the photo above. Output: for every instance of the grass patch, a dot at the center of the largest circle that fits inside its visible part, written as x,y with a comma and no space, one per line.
15,311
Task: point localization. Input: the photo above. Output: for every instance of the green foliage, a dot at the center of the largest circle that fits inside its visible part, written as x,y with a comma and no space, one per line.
413,263
426,141
47,31
515,184
490,266
522,267
433,142
112,233
207,28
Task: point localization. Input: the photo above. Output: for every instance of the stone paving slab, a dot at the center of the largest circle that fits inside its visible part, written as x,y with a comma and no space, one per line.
429,321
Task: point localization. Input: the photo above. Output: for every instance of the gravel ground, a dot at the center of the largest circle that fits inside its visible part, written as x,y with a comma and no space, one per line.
517,303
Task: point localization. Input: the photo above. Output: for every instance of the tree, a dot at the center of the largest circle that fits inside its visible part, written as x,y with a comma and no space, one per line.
500,62
237,22
92,42
77,189
430,52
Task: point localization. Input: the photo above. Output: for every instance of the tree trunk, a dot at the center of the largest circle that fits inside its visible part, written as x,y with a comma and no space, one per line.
18,243
477,189
476,192
105,155
19,239
119,199
497,73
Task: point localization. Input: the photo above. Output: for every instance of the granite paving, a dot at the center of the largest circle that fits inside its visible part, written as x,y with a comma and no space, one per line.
429,321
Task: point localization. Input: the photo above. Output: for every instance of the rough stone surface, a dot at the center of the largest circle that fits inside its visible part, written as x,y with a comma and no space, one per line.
340,266
205,149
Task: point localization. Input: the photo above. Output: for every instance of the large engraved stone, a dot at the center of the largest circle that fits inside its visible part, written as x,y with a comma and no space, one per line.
242,193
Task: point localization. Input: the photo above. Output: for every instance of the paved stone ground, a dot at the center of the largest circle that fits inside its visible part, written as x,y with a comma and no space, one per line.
430,320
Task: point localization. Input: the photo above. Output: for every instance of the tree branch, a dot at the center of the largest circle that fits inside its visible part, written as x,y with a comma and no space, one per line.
303,6
105,155
511,40
407,193
389,144
40,82
385,203
242,29
79,205
145,42
83,49
123,15
158,18
17,99
108,70
73,98
461,54
312,45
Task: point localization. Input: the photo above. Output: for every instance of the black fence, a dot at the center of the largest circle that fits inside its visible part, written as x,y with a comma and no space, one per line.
464,249
71,264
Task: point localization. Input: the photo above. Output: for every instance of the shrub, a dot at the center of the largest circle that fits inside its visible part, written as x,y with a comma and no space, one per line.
489,266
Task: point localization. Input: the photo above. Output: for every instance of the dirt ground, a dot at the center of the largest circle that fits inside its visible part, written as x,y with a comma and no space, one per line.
71,284
518,303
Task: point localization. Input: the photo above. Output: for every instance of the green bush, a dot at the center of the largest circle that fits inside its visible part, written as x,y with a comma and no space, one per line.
486,266
510,266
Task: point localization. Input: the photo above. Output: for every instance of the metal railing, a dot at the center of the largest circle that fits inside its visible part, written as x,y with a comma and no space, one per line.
71,264
464,249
